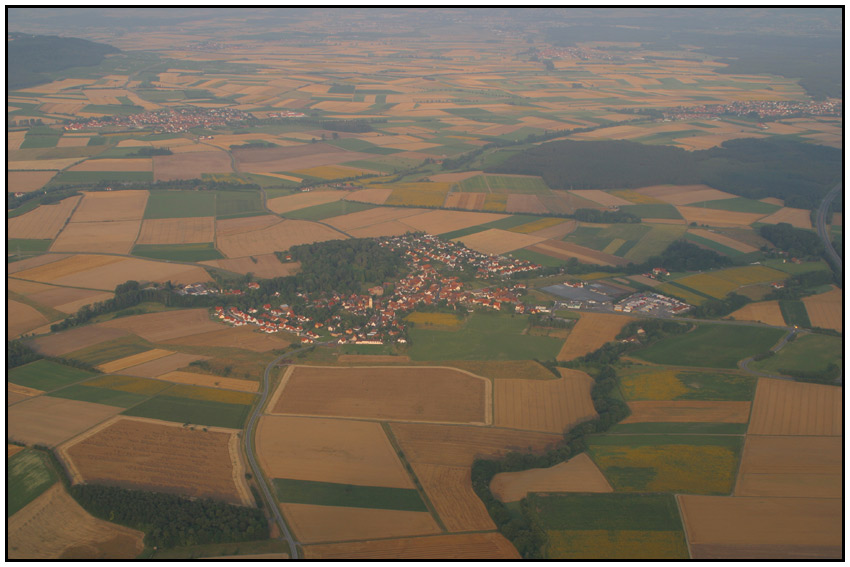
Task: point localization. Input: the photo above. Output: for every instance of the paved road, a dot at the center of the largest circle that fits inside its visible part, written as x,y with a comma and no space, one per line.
823,211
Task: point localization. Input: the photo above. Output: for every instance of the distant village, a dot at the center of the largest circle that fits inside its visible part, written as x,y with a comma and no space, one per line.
170,120
760,108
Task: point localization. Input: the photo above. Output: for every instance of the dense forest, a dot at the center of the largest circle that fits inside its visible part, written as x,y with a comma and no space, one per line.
29,57
799,173
795,241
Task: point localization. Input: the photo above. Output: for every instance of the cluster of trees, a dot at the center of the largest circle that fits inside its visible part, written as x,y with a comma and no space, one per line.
799,173
18,354
828,375
799,285
170,521
720,307
795,241
684,256
254,146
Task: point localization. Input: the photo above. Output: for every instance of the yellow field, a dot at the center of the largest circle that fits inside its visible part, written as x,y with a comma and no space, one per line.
710,284
615,544
686,296
747,275
428,194
651,384
211,394
447,320
534,226
763,311
133,360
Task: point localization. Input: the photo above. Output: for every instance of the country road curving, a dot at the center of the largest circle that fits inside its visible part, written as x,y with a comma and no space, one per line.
823,211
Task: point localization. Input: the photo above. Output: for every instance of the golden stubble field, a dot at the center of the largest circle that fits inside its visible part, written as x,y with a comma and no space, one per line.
826,309
591,332
579,474
277,237
44,222
782,407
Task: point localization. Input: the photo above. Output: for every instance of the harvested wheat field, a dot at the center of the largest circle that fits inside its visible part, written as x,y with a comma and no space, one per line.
826,310
160,366
262,266
165,325
209,381
126,362
74,339
544,405
716,217
792,466
106,272
591,332
41,164
518,203
479,547
132,164
373,195
177,231
721,527
329,450
106,237
44,222
690,411
65,299
370,217
435,394
459,446
21,318
438,222
800,218
27,181
451,494
603,198
15,139
162,457
34,262
782,407
54,526
567,250
468,201
497,241
767,312
247,338
579,474
313,524
389,228
99,206
724,240
302,200
277,237
230,227
190,165
50,421
63,265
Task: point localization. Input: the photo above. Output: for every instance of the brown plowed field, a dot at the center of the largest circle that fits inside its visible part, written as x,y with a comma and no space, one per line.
130,164
438,222
518,203
156,327
49,421
21,318
74,339
459,446
800,218
398,393
544,405
14,397
106,237
210,381
579,474
450,492
177,231
121,363
603,198
364,219
313,524
230,227
468,201
567,250
262,266
54,526
764,311
478,547
753,528
724,240
236,337
190,165
111,206
302,200
782,407
591,332
827,309
329,450
691,411
162,457
277,237
22,390
27,181
716,217
44,222
793,466
160,366
372,195
497,241
65,299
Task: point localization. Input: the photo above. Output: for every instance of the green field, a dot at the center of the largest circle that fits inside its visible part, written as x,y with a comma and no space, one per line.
486,336
620,237
40,140
328,210
46,375
28,474
81,177
711,346
661,428
144,386
349,495
794,312
652,211
657,383
608,511
199,412
110,350
794,269
654,242
811,352
232,204
712,245
178,252
16,245
503,184
692,464
537,257
99,396
738,205
180,204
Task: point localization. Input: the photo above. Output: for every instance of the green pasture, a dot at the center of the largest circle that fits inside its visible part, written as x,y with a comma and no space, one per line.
810,352
794,312
328,210
97,395
196,252
348,495
28,474
679,428
46,375
110,350
652,211
198,412
232,204
80,177
612,511
659,383
180,204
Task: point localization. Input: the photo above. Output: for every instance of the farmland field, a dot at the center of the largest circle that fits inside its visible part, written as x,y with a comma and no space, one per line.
327,210
277,237
46,375
97,395
663,383
826,309
178,252
474,546
45,222
49,421
767,312
185,410
180,204
544,405
448,321
806,353
110,350
688,412
591,332
177,231
792,408
230,204
28,474
128,384
712,346
314,524
794,312
450,491
348,495
578,474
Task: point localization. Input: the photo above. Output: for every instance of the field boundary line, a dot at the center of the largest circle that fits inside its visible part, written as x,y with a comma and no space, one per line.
684,524
67,220
238,470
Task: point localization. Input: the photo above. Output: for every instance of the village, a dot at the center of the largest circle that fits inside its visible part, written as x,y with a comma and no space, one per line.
760,108
171,120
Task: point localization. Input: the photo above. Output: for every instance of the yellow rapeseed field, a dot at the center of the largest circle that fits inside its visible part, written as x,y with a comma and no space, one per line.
429,194
615,544
651,384
211,394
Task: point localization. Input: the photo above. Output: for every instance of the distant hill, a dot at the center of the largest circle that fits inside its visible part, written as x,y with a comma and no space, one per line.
29,57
